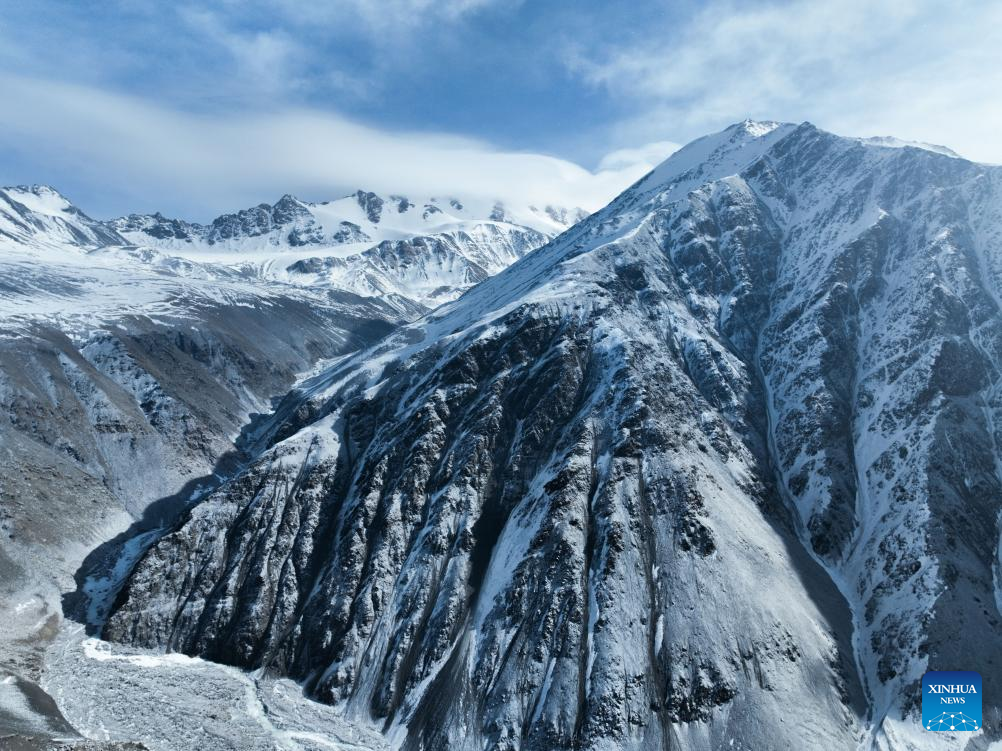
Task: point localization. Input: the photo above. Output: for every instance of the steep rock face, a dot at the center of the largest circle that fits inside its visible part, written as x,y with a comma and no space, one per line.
726,448
881,358
371,204
492,541
98,425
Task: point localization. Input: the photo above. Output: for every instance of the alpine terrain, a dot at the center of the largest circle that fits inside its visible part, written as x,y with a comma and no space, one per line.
716,468
136,353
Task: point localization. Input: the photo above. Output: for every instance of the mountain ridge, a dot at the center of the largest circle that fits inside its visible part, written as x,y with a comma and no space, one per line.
130,373
515,484
418,253
357,217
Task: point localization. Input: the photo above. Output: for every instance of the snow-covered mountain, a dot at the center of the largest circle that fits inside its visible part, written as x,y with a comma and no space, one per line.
415,254
427,250
39,215
362,217
427,270
132,368
717,468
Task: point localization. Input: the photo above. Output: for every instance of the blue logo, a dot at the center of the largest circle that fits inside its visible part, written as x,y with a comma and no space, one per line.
951,700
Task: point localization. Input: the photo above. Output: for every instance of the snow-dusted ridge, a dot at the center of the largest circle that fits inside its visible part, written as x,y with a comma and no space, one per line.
133,363
897,143
419,252
39,215
716,465
361,217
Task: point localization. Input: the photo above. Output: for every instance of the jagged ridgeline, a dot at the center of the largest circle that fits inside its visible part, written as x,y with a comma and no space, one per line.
425,251
718,463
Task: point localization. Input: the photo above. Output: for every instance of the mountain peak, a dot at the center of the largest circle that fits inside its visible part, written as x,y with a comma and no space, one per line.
41,216
371,204
43,198
716,155
756,128
38,189
735,392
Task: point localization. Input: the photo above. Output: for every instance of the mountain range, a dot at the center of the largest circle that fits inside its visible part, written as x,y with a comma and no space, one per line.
715,467
132,367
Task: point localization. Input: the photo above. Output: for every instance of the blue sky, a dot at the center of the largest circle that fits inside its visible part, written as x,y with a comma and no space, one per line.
194,108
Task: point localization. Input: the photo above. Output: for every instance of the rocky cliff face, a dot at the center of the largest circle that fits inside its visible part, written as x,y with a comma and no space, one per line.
718,465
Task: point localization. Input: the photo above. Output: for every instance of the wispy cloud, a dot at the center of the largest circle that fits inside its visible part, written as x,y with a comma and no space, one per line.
264,59
211,163
649,154
199,107
382,21
923,70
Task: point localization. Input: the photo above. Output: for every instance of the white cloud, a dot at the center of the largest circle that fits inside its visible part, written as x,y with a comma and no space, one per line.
204,165
927,71
650,154
380,19
262,58
395,11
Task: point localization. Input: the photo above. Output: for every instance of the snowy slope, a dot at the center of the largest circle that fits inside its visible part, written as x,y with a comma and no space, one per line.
428,250
362,217
131,367
39,215
717,468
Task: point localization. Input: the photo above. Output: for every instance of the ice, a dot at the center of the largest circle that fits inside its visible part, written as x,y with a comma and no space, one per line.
105,692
